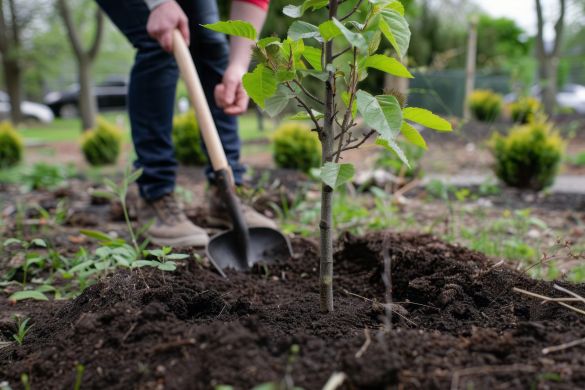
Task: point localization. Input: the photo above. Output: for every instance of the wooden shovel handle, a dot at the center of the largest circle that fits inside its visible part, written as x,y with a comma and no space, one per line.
202,112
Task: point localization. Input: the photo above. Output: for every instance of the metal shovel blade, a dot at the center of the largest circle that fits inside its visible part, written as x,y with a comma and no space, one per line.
265,245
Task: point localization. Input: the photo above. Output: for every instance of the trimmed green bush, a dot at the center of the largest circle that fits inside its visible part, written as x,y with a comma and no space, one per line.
524,110
187,140
486,105
295,146
529,156
102,145
11,145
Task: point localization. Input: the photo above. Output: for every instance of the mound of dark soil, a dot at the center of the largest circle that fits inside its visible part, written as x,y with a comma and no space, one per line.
458,325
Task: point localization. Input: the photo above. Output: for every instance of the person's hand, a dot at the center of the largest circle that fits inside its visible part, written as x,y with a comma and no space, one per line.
230,94
163,20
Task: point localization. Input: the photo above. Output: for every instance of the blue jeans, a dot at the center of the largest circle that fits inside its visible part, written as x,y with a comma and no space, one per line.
153,82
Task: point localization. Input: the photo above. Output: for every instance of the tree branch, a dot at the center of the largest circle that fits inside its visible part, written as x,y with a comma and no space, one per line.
306,107
97,39
341,53
353,11
354,146
540,30
351,90
309,94
70,26
559,27
3,30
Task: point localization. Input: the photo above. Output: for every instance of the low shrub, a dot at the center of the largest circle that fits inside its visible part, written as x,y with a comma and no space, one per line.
529,156
486,105
11,145
102,145
390,161
187,140
295,146
524,110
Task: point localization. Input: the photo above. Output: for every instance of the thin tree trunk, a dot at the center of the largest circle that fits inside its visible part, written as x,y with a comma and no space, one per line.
13,81
12,68
87,100
470,67
326,224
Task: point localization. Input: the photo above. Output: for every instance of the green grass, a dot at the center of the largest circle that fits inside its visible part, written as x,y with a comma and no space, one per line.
578,160
69,130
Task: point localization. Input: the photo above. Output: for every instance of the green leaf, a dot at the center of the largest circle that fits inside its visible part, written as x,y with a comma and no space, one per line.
374,39
135,175
39,242
262,43
387,64
237,28
103,194
285,75
223,387
278,102
413,136
313,57
329,30
96,234
323,76
391,145
426,118
296,47
111,185
178,256
303,116
396,5
296,11
303,30
395,28
167,266
29,294
334,174
354,39
382,113
145,263
11,241
260,84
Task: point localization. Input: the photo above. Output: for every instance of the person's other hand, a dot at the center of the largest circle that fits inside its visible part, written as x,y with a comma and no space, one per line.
230,94
163,20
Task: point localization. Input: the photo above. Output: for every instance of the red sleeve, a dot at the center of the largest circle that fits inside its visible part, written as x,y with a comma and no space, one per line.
260,3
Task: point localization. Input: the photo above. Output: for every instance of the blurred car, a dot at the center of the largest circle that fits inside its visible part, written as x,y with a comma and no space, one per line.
30,111
571,96
110,94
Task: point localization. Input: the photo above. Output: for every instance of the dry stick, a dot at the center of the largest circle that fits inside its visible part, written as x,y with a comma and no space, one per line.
364,347
387,279
335,380
371,300
579,297
545,298
562,347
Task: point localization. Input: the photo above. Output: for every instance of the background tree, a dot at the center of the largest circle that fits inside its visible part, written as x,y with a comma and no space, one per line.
85,59
549,58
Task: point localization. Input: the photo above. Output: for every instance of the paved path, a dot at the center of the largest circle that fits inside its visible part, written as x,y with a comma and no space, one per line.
566,184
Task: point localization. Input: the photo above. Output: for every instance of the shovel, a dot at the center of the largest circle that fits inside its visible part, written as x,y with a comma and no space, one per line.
241,247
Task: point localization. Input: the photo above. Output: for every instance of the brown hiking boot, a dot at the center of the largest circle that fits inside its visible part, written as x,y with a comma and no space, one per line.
219,216
170,227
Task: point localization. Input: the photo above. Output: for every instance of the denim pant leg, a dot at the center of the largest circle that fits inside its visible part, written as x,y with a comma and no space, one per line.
151,97
210,53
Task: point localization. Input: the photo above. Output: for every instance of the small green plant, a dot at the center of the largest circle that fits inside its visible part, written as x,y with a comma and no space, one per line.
529,156
164,259
525,109
338,53
102,145
296,147
11,146
578,160
187,140
79,370
22,329
485,105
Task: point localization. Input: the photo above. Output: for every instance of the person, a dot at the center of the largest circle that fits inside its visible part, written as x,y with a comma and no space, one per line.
148,25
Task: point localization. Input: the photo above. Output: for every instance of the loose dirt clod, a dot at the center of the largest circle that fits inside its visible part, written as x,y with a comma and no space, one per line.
195,330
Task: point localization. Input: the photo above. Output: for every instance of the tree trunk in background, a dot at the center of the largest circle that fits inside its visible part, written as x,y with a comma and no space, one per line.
85,58
9,49
470,67
549,59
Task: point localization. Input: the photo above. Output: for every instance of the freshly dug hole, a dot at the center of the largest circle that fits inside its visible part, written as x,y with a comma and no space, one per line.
195,329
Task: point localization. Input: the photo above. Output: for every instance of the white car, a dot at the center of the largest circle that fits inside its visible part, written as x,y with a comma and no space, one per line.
30,110
570,96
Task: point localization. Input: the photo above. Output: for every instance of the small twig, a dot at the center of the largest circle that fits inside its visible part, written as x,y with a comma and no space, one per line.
562,347
545,298
365,346
132,327
579,297
306,107
357,145
352,11
340,53
487,370
309,94
335,381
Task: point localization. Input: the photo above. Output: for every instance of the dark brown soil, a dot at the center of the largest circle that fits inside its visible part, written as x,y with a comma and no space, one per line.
460,326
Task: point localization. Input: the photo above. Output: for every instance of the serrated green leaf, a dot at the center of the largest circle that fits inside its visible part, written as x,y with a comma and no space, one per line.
96,234
387,64
329,30
426,118
382,113
296,11
374,39
313,57
303,30
391,145
260,84
278,102
354,39
262,43
396,5
335,175
29,294
303,116
323,76
237,28
413,136
395,28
